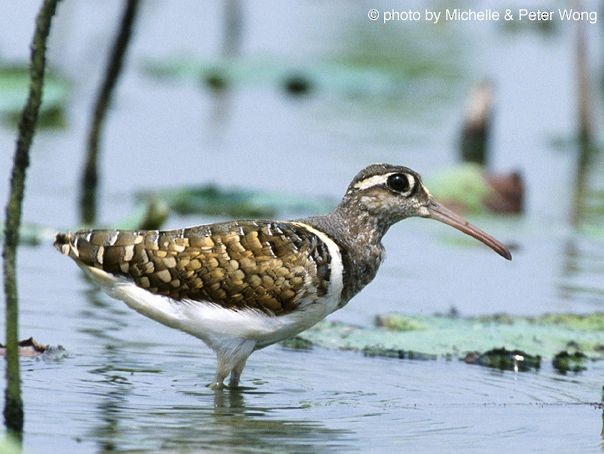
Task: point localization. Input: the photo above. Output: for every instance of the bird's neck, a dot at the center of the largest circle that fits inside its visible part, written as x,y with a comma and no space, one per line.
359,236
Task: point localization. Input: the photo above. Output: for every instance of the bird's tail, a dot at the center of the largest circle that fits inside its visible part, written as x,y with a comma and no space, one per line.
64,244
110,250
94,247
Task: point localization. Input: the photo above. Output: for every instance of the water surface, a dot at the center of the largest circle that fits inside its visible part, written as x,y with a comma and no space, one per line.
128,384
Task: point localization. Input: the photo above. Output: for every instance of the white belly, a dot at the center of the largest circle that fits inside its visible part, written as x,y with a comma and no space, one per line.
210,322
216,325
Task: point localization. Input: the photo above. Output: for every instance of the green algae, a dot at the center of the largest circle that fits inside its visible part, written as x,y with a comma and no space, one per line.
399,323
10,445
463,185
14,86
372,351
504,359
243,203
297,343
579,322
565,362
440,336
150,214
219,74
359,72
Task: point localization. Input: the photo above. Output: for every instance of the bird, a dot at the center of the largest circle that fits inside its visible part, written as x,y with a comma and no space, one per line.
240,286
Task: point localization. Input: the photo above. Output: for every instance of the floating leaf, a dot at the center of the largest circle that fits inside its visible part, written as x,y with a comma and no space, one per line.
34,235
348,78
504,359
398,322
297,343
565,362
10,445
213,200
461,186
372,351
442,336
14,86
148,215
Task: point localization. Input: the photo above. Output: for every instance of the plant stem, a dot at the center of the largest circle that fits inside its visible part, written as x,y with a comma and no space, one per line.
13,404
90,176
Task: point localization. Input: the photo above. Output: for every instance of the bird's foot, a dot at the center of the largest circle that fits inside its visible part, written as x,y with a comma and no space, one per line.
216,385
235,386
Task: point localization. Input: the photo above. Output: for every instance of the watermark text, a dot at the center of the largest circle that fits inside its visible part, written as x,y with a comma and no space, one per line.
481,15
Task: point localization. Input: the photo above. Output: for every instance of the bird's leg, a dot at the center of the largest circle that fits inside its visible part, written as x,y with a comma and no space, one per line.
236,374
223,368
232,361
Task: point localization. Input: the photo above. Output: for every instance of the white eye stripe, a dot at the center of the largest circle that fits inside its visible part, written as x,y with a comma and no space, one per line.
377,180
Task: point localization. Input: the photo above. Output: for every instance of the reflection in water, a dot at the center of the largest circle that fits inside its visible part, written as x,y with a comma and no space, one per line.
583,255
569,268
234,423
228,399
583,261
586,144
111,406
217,80
586,153
582,273
232,28
114,386
602,429
582,214
218,419
123,395
207,420
219,115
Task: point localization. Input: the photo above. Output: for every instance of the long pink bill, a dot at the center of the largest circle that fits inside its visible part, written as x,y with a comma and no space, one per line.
443,214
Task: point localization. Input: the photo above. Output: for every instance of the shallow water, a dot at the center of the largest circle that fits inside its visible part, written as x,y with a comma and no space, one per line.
128,384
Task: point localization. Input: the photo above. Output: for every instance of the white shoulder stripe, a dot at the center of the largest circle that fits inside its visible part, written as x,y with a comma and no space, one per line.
336,283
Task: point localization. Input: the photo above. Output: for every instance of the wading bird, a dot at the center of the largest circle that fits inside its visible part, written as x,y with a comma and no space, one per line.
243,285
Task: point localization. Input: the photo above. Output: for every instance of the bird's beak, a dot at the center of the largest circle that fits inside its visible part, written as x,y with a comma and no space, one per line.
441,213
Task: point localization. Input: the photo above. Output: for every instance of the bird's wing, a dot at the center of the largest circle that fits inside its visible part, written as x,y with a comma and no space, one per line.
269,266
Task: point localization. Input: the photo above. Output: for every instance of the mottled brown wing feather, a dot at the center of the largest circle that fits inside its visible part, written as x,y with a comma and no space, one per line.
270,266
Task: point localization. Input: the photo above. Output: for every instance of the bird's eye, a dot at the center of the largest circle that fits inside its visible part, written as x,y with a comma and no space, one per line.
399,183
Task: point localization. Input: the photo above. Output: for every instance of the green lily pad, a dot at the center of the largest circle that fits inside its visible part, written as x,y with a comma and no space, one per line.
213,200
593,322
149,214
565,362
370,74
34,234
441,336
10,445
260,72
372,351
504,359
463,185
399,323
14,89
296,343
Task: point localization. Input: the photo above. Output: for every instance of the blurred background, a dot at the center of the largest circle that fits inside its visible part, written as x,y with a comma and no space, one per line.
268,109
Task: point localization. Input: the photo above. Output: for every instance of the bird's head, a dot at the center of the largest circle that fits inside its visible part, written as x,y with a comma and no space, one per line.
388,194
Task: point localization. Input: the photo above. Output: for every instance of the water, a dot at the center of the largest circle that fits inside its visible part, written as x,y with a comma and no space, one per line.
128,384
